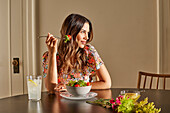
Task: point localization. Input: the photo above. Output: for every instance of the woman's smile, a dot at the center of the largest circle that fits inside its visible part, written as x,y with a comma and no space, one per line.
83,42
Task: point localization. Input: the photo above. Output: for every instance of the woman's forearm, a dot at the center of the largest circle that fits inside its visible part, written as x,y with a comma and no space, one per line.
101,85
51,79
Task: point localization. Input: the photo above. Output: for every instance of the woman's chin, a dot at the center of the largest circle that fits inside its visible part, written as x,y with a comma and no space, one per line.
81,46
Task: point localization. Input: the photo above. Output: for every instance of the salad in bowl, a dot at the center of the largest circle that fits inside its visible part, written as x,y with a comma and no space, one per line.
78,88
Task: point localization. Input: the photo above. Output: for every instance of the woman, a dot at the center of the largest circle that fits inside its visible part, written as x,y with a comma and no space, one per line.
75,58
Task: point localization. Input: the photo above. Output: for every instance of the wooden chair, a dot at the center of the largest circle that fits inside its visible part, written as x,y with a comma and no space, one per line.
145,74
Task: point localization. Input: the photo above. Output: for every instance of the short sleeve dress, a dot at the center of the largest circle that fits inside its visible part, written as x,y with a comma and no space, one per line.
93,63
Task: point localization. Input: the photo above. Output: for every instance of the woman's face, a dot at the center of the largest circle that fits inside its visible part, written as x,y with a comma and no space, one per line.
82,36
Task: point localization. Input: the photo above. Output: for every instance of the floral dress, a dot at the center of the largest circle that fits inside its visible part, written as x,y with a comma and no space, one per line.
93,63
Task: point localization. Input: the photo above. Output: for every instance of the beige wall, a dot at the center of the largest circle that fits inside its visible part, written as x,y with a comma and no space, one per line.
125,33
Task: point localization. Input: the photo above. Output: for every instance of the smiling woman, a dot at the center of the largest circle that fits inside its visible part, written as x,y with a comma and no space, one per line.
76,59
82,37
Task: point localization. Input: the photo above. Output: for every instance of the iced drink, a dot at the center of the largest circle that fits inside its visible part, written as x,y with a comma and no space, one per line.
34,87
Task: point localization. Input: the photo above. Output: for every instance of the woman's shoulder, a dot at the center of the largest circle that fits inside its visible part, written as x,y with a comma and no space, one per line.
90,48
91,51
45,57
45,53
93,58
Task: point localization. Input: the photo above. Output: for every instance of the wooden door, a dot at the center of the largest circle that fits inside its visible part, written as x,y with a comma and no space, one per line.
5,78
10,47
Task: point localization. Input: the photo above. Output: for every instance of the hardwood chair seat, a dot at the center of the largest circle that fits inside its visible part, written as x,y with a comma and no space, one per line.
151,75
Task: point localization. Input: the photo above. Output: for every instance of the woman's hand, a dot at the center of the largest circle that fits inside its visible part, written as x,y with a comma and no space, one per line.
51,42
60,87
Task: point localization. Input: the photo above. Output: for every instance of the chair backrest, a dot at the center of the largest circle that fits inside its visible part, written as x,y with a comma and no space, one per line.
146,74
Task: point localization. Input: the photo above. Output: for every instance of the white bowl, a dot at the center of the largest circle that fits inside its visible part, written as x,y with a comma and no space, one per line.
78,91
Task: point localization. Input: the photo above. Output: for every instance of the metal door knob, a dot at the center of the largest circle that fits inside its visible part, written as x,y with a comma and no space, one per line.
15,62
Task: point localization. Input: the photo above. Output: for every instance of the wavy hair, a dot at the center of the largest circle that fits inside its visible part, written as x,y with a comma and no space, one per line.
73,57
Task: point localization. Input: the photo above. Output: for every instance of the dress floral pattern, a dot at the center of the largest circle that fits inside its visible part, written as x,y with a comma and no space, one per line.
93,63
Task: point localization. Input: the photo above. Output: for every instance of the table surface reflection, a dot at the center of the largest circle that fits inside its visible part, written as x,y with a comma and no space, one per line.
57,104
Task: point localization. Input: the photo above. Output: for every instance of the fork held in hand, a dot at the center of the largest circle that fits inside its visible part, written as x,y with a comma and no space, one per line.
46,37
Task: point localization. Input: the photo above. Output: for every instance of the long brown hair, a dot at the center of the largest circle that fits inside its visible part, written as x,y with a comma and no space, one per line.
71,56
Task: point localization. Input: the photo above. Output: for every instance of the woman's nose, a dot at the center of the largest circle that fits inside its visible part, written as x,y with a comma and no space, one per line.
86,36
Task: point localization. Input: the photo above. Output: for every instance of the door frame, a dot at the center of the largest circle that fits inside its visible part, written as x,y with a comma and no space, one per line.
29,39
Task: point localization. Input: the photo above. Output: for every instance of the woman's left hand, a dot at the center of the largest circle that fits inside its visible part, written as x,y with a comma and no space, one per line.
61,87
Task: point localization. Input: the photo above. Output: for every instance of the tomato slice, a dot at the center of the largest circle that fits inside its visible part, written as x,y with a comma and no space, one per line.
88,84
59,81
77,85
69,36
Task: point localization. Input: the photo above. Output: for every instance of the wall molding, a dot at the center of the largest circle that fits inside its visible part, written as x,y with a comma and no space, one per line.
159,45
164,34
29,39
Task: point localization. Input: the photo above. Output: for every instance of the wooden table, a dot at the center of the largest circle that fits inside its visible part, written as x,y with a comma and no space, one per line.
57,104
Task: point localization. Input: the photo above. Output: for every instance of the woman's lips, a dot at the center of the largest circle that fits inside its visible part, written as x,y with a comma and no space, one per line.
83,42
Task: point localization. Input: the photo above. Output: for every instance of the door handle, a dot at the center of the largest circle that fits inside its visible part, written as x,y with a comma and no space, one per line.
15,63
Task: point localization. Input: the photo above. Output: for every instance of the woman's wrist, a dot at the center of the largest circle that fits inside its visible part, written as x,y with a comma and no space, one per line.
52,54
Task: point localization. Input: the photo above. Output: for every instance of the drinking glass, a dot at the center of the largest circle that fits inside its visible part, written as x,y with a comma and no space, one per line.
133,94
34,87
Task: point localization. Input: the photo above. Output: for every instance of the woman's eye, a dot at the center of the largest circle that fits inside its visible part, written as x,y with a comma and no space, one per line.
82,31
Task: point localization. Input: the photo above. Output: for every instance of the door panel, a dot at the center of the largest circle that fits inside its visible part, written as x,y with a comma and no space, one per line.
10,47
16,45
5,80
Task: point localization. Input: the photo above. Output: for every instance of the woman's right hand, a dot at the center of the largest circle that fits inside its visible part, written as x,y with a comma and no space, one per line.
51,42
